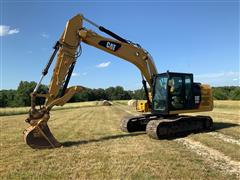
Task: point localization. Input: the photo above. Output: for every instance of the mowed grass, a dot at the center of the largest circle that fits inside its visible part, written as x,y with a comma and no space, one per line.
227,120
95,148
220,104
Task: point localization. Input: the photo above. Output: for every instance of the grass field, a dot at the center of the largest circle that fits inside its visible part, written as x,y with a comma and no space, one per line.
23,110
95,148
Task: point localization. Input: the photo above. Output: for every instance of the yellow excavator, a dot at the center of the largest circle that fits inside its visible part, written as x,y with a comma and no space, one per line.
169,94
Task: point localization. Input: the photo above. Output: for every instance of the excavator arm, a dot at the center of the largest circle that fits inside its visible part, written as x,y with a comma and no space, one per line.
68,48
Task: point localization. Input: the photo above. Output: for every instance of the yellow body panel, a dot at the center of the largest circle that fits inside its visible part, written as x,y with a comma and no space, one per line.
142,106
206,103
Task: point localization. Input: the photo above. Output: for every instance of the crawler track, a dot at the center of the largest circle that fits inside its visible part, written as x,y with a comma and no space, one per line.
167,128
160,128
135,123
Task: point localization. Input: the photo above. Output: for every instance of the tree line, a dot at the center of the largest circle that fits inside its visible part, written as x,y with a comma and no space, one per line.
226,93
20,97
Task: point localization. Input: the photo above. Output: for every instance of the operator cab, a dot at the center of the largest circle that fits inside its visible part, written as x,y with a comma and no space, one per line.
174,92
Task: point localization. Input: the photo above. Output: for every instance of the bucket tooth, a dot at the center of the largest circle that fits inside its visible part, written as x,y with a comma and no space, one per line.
40,137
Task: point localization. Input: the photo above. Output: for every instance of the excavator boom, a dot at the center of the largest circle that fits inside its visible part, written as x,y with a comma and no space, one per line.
67,49
171,93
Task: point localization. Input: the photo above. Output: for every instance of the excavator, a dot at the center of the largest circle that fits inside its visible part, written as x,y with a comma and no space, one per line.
168,95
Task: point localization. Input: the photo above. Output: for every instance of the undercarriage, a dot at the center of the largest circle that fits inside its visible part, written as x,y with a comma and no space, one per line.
160,127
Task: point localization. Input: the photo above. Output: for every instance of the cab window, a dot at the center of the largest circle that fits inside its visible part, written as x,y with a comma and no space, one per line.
176,92
160,94
188,91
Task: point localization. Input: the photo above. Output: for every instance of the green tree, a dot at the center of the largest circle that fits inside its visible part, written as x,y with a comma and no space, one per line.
110,93
24,90
3,98
117,93
219,93
99,94
139,94
235,94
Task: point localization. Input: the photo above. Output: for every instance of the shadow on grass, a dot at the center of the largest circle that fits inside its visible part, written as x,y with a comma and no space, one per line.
106,138
216,126
223,125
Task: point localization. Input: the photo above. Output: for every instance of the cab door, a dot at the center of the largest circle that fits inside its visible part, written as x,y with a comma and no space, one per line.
180,91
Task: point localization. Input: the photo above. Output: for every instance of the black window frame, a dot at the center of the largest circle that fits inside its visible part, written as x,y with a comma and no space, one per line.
154,78
169,107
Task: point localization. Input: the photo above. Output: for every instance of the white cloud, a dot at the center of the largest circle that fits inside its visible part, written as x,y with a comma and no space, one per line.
78,74
103,65
6,30
219,78
45,35
75,74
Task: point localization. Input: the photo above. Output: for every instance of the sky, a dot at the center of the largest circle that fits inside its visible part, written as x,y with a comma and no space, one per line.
199,37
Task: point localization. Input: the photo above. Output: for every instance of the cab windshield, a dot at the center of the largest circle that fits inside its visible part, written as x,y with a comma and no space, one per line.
160,94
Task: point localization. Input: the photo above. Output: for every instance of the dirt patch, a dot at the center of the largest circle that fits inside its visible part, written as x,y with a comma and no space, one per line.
212,156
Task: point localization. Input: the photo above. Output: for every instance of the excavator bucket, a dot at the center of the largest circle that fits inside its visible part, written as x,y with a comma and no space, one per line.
40,137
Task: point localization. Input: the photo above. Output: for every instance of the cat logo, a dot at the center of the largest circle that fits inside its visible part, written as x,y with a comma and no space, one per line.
113,46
